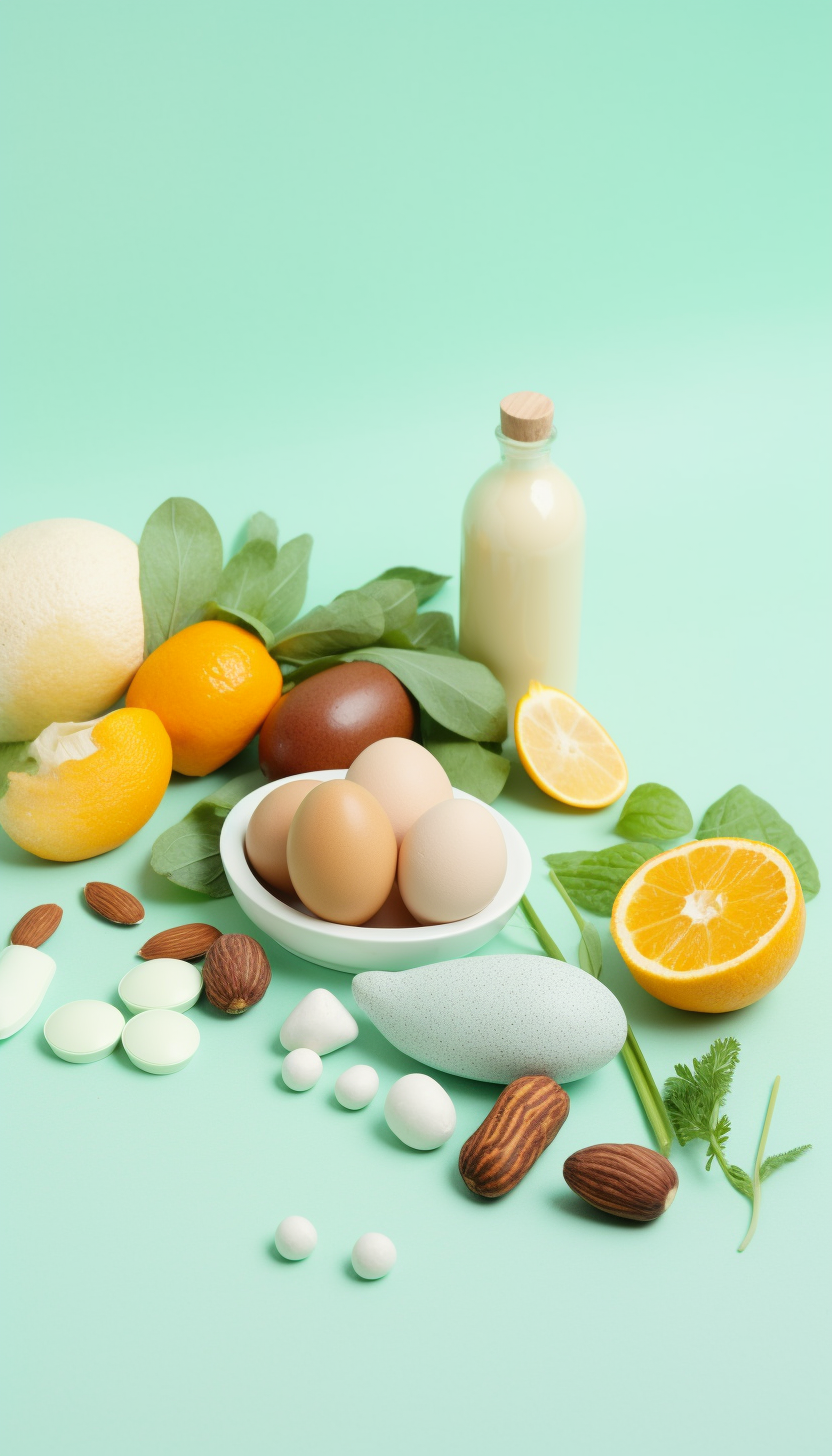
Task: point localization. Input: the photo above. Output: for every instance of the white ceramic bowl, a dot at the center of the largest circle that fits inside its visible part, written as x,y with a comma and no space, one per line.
355,947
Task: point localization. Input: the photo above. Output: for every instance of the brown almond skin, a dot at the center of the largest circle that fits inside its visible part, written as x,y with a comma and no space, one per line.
236,973
527,1115
113,904
181,942
37,925
327,720
623,1179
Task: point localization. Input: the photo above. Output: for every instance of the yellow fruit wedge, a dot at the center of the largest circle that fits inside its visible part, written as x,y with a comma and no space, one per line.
710,926
566,751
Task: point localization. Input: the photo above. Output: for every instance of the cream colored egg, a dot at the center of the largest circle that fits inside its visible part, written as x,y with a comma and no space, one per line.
452,862
405,779
341,853
268,831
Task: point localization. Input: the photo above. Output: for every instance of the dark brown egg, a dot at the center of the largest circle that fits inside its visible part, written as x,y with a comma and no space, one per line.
327,720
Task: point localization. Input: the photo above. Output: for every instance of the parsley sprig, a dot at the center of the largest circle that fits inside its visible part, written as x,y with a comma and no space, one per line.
694,1100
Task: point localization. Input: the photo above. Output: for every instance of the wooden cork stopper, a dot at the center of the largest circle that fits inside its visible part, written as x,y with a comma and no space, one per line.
526,416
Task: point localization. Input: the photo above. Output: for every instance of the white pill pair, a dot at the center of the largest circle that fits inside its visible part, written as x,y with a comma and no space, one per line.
373,1255
354,1089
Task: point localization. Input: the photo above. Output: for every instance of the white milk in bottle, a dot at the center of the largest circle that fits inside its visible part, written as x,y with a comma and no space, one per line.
522,558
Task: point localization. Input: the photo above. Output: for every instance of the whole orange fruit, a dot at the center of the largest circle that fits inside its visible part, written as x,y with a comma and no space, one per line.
212,685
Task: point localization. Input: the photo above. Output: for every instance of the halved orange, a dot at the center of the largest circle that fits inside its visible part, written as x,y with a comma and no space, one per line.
711,926
566,751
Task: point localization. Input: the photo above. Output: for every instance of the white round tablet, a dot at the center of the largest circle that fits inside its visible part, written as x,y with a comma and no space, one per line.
296,1237
301,1069
373,1256
164,984
84,1031
160,1041
356,1087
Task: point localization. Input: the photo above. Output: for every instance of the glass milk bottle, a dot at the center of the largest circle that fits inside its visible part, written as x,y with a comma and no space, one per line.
522,558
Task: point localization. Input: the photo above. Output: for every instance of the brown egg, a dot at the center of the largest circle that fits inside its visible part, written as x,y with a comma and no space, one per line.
342,853
404,777
268,831
393,915
328,719
452,862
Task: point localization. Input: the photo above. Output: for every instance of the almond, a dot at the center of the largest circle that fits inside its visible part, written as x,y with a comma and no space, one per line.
623,1179
181,943
520,1126
236,973
113,903
37,925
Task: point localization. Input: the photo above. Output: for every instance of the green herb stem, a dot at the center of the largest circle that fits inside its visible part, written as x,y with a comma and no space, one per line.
634,1060
570,904
540,930
756,1181
649,1095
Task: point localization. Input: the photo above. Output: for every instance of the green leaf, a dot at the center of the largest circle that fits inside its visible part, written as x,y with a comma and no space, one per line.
245,582
180,560
351,620
739,814
427,629
472,767
15,758
426,583
593,877
262,528
213,612
653,812
189,852
590,955
287,588
397,599
461,695
693,1097
777,1160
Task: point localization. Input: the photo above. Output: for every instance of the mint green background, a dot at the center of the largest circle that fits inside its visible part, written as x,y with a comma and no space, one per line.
290,258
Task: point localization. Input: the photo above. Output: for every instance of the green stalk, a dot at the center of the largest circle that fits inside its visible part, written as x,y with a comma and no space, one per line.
758,1163
540,930
634,1060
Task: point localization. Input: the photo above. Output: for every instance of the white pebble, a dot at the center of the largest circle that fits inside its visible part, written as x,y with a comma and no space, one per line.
318,1021
420,1112
301,1069
356,1087
373,1256
295,1237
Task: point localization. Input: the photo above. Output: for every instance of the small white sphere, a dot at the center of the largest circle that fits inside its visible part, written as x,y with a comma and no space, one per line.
295,1237
356,1087
420,1112
301,1069
373,1256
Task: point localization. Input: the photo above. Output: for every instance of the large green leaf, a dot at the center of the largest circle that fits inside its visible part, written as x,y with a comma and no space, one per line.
245,582
739,814
470,766
350,621
653,812
287,588
593,877
426,630
180,561
189,852
397,599
262,527
459,694
426,583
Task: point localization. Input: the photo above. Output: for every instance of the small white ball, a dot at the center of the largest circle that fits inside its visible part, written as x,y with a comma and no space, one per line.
420,1112
295,1237
373,1256
301,1069
356,1087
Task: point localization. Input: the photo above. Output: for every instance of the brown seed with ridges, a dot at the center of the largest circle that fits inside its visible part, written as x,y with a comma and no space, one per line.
623,1179
181,943
527,1115
37,925
113,903
236,973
